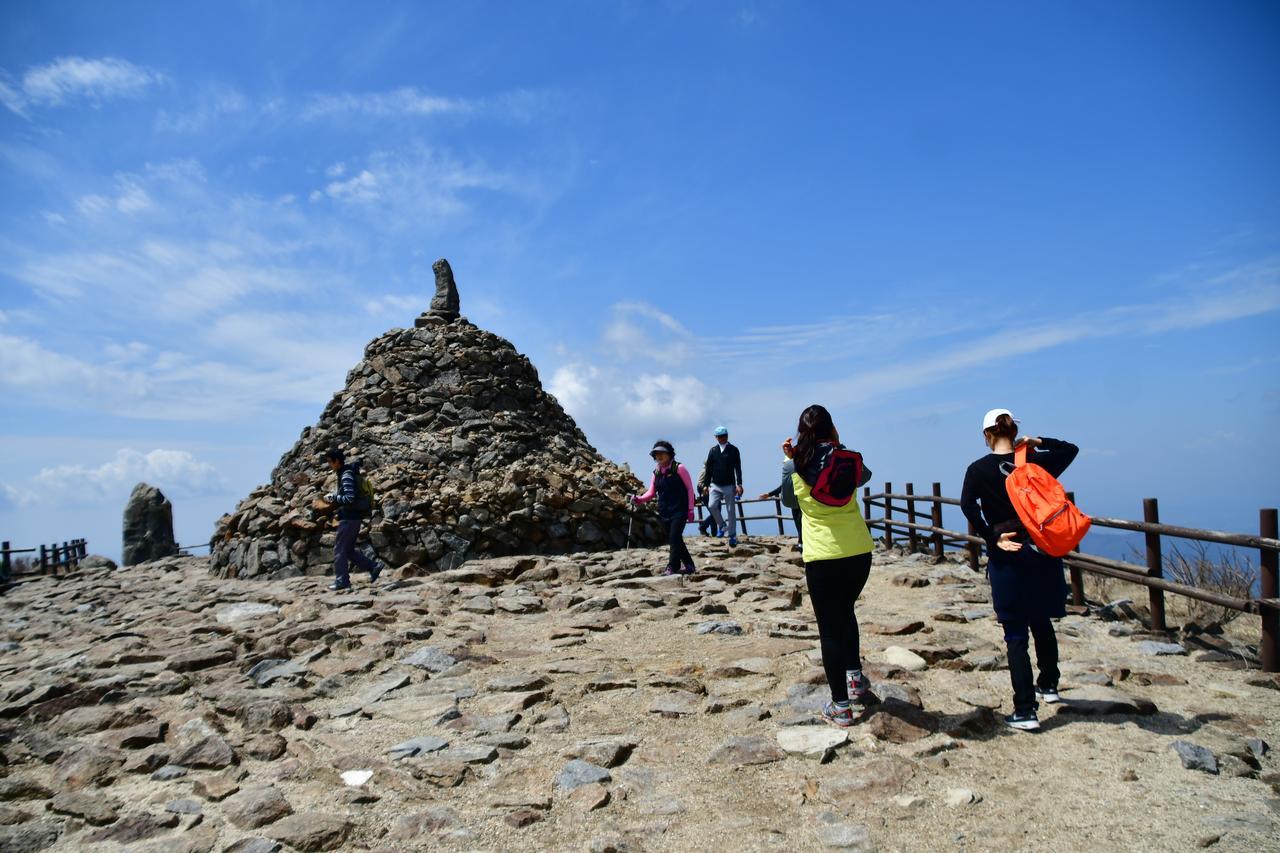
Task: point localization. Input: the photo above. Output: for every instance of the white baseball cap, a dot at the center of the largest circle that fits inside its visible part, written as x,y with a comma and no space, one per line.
989,419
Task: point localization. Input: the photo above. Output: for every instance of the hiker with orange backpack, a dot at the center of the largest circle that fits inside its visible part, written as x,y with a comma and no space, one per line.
836,550
1015,503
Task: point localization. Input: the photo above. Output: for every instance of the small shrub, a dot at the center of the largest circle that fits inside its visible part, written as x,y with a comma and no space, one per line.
1225,572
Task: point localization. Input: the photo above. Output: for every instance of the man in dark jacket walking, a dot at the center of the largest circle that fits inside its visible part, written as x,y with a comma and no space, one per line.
724,471
353,506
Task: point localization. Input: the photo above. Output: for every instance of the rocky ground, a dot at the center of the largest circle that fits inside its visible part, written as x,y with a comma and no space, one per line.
581,703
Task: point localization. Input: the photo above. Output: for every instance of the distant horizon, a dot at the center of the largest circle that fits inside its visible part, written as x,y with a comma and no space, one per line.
684,215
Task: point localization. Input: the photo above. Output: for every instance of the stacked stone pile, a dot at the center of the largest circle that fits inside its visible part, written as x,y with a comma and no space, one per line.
468,455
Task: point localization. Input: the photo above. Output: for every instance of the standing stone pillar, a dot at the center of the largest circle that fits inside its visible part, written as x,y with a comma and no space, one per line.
148,526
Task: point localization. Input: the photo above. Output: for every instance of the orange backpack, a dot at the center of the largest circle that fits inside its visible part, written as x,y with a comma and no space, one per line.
1053,522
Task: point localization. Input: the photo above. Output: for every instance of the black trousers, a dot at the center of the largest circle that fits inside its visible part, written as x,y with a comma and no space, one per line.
834,587
796,515
1017,642
675,537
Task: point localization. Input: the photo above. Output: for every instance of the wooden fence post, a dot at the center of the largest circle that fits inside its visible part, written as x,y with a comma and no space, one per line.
44,560
742,515
911,518
1269,588
888,516
975,551
1077,574
1155,564
6,566
866,503
935,518
777,503
56,560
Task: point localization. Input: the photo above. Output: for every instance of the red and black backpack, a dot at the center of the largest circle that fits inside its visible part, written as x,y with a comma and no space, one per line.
840,473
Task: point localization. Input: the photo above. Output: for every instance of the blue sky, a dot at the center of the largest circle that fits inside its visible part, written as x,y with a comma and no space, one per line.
684,213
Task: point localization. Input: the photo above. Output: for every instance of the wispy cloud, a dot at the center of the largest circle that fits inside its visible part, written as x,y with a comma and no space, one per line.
75,78
176,472
418,185
404,101
1247,291
212,106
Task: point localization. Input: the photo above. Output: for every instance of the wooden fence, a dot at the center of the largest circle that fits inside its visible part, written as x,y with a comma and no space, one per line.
52,557
743,518
924,530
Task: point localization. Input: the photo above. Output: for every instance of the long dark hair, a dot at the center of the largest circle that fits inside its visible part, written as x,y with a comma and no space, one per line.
815,427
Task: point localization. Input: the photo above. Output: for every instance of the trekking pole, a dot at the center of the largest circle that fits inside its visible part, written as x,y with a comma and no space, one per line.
631,517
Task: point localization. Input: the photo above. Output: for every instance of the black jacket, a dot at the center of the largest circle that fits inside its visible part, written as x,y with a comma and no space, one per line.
724,466
983,498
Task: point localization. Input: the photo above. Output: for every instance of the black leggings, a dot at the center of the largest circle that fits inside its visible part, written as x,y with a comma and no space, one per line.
834,587
675,537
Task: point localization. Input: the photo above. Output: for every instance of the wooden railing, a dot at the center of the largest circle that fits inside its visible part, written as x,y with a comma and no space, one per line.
925,530
742,518
52,557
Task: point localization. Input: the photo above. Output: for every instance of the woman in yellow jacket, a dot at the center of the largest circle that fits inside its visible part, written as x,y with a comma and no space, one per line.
837,561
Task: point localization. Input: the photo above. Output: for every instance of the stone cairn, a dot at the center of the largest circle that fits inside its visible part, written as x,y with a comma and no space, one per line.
148,526
467,454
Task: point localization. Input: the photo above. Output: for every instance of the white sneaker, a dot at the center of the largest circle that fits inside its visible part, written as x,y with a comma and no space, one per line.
1048,696
1023,722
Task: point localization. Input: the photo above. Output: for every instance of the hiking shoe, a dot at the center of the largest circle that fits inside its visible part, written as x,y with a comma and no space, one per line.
1048,695
685,570
670,571
375,571
733,541
1024,721
339,587
860,690
842,717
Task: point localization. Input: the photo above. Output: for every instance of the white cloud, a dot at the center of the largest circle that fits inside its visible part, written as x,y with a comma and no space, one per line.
129,199
419,186
362,187
27,365
71,78
399,305
214,105
405,101
670,402
608,400
1247,291
636,328
176,472
571,385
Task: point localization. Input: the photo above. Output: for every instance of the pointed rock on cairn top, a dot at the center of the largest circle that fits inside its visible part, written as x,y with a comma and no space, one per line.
445,304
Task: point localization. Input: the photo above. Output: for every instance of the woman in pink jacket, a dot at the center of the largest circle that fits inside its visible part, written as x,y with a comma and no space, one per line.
673,487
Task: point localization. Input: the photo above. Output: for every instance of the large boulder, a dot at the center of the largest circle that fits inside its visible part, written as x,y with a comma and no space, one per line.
468,457
148,526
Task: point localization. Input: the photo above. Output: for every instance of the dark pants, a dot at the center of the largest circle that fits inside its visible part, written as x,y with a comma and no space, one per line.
834,587
796,515
345,551
704,526
675,537
1017,641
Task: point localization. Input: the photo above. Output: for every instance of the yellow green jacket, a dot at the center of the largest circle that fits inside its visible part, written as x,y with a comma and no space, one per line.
830,532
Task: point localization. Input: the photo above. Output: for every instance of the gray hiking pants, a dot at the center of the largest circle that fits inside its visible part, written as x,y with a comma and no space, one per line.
723,495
